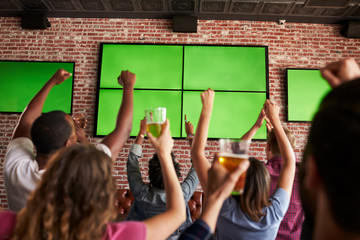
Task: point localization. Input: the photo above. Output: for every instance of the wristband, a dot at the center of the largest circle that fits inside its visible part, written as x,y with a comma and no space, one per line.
190,136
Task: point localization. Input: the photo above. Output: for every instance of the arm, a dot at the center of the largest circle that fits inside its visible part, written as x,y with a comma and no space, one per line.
220,185
175,213
34,108
198,157
136,183
339,72
189,129
259,122
116,139
287,173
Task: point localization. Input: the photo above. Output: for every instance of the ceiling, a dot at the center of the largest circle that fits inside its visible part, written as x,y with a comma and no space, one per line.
309,11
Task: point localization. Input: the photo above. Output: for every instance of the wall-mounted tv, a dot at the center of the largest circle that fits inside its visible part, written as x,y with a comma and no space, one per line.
20,81
305,90
173,76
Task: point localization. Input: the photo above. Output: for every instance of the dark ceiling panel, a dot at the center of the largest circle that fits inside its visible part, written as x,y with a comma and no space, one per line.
333,12
356,13
327,3
7,4
208,6
62,5
244,7
275,9
182,5
122,5
92,5
152,5
300,10
33,4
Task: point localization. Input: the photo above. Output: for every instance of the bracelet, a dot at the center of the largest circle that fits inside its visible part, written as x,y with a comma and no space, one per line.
190,136
142,135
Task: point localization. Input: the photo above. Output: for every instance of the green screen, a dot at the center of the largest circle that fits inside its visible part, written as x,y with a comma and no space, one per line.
225,68
156,66
306,89
173,76
110,100
20,81
233,115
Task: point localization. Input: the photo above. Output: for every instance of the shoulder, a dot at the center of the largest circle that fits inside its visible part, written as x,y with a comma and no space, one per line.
21,145
7,224
102,147
126,230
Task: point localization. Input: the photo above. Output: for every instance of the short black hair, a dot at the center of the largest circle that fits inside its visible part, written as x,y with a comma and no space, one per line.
50,132
333,140
155,174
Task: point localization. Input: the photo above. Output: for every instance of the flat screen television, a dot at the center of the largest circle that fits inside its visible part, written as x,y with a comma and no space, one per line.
173,76
21,80
305,90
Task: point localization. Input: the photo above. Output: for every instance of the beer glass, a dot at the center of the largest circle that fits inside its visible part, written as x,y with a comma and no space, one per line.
232,153
155,120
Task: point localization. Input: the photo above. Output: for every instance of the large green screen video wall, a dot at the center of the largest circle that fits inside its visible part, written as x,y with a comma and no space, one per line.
305,90
20,81
173,76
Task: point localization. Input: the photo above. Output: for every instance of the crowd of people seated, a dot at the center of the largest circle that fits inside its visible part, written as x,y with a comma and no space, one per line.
67,190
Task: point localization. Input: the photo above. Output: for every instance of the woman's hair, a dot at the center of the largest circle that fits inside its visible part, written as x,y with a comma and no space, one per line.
256,190
155,176
74,199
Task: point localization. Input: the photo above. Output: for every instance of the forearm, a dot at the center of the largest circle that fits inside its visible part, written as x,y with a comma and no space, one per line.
139,139
211,211
174,195
32,111
116,139
251,133
200,161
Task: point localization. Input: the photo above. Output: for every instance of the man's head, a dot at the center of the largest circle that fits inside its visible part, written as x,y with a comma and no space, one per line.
332,158
155,174
272,143
52,131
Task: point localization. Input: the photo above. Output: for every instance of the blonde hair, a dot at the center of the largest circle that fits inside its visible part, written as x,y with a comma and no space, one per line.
273,144
74,199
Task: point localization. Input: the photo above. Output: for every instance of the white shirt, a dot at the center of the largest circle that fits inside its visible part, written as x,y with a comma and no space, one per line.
21,171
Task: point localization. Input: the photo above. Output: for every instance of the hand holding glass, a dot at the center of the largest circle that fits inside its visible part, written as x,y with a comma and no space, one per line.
155,120
232,153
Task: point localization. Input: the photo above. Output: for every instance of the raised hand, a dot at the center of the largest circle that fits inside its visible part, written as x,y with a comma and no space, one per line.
342,71
127,79
142,126
272,111
60,76
207,99
164,143
189,128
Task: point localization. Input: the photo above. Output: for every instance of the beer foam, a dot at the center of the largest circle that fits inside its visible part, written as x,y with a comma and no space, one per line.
233,155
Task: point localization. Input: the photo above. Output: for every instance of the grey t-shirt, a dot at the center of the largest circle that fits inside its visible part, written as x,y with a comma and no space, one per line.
233,223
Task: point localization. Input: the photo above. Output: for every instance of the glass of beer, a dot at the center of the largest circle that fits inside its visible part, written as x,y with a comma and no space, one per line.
232,153
155,120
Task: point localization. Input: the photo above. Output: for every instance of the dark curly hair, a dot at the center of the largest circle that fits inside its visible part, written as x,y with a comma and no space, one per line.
155,176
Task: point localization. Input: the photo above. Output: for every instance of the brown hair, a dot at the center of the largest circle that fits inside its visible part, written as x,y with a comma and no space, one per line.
256,190
74,200
273,144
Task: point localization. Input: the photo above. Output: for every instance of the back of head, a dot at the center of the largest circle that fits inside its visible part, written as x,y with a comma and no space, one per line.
50,132
273,144
256,191
74,200
155,174
334,139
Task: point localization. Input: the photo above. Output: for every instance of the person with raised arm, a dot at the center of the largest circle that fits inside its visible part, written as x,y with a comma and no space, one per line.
253,215
51,132
75,199
329,195
150,199
290,227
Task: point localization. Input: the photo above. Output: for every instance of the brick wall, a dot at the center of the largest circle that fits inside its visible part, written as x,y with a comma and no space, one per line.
291,45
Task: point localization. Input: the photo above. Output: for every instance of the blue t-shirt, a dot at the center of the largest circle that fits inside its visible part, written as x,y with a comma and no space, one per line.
233,223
